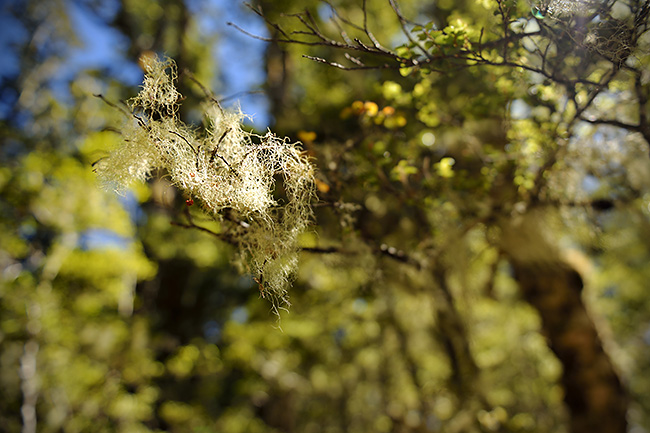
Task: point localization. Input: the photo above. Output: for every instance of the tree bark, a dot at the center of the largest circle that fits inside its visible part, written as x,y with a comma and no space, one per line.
594,395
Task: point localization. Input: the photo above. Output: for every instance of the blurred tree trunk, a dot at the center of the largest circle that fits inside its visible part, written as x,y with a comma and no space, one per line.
596,399
278,78
464,378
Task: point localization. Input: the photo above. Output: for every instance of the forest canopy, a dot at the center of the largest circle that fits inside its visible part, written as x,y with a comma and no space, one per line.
351,215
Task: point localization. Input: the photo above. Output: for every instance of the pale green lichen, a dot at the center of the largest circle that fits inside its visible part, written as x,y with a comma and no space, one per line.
232,173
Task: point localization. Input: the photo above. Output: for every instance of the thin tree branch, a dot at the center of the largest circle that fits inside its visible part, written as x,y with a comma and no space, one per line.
185,140
204,89
612,122
405,31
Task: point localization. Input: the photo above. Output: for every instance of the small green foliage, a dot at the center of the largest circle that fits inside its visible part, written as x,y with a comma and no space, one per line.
402,171
229,170
445,167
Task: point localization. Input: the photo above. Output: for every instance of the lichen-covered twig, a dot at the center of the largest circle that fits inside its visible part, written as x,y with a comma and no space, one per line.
241,189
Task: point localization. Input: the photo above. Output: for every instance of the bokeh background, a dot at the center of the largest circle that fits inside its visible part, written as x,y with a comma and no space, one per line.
113,319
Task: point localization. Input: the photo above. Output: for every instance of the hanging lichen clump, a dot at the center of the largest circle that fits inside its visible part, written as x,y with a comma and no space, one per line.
231,172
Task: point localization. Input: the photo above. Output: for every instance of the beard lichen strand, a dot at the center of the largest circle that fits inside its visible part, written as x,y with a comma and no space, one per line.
225,167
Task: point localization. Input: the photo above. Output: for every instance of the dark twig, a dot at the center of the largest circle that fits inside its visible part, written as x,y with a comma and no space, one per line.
140,121
185,140
243,92
192,225
323,250
205,230
216,148
407,33
204,89
110,104
345,20
259,38
612,122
